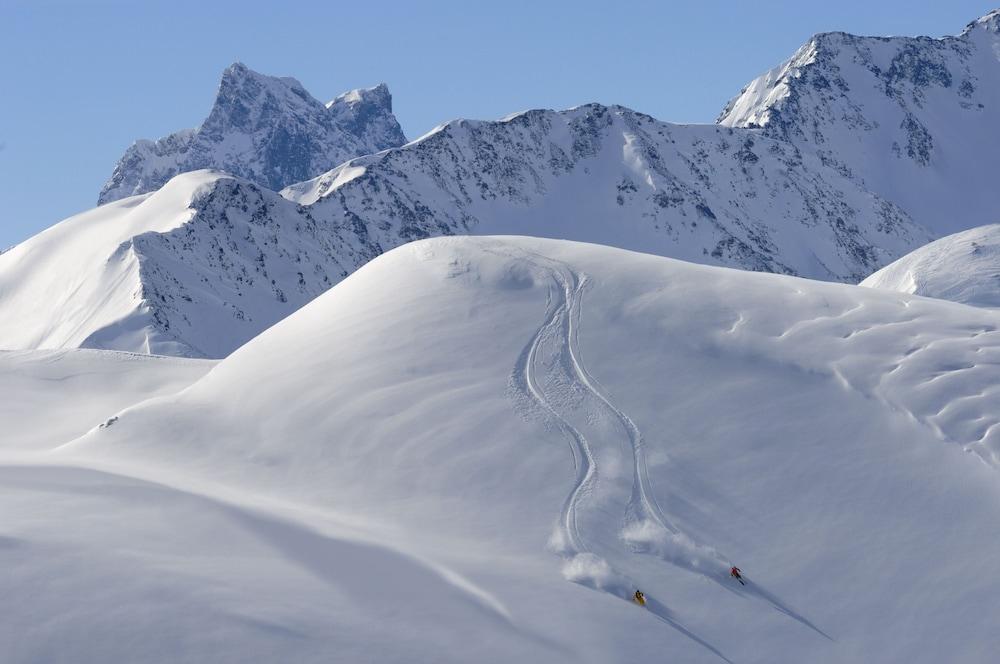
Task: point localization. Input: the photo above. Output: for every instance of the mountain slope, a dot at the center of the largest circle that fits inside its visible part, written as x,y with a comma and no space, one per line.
964,267
561,424
914,119
264,129
615,176
195,269
209,261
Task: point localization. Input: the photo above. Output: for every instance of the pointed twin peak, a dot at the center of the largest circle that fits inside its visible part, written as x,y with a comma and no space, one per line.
266,129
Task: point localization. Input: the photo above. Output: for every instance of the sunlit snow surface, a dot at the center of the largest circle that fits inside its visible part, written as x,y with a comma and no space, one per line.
476,449
51,396
964,267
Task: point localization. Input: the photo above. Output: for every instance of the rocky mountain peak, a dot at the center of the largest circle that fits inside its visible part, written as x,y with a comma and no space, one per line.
248,101
368,112
266,129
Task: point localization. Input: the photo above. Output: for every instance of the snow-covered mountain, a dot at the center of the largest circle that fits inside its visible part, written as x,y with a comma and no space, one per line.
265,129
913,120
208,261
611,175
196,268
794,181
560,425
964,267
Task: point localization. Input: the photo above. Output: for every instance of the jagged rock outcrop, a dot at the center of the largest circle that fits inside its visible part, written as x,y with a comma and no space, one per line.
265,129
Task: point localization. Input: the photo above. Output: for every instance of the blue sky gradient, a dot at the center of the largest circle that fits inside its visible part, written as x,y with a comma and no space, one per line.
82,80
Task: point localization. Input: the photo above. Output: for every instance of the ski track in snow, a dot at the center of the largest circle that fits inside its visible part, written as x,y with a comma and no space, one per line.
557,339
645,527
558,316
555,344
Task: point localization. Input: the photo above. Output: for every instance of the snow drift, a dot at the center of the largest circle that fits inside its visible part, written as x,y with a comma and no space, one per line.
964,267
483,419
51,396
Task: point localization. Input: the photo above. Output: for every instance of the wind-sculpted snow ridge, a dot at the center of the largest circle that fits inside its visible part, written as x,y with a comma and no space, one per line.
894,351
196,269
915,119
964,267
560,411
265,129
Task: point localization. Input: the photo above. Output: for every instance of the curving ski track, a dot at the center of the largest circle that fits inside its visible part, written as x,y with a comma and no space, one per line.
552,357
555,348
551,374
558,314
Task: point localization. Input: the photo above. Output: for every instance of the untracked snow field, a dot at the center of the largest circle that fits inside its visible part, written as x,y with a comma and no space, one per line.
477,449
50,396
961,267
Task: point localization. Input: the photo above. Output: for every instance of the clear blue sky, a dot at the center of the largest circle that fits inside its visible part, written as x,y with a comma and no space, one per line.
82,80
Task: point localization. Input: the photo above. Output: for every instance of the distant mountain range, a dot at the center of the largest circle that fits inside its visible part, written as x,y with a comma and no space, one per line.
851,154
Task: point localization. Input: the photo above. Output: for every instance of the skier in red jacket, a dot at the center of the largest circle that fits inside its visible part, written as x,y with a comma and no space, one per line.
736,574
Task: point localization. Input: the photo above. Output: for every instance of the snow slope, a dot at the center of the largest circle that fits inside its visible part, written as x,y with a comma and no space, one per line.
916,120
51,396
560,424
196,268
265,129
964,267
